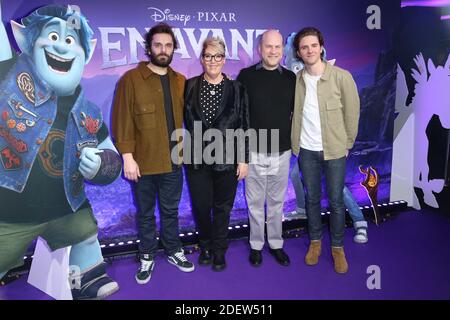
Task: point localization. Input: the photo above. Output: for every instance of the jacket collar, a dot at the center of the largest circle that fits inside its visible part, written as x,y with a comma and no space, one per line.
260,66
147,72
42,90
326,72
223,101
224,98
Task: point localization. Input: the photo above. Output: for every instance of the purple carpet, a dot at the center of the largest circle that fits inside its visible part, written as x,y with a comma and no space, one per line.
411,250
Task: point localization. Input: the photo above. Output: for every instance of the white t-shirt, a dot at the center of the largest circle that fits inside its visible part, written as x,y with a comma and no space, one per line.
311,134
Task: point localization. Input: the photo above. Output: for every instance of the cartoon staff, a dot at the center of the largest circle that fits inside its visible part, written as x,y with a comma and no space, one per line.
370,183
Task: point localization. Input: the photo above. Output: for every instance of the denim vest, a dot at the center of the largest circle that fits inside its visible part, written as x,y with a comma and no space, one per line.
27,112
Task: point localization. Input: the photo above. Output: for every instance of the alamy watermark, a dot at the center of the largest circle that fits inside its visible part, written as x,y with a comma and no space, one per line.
374,20
374,280
228,146
74,21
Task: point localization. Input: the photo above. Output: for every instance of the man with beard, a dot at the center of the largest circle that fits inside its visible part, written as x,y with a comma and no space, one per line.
148,108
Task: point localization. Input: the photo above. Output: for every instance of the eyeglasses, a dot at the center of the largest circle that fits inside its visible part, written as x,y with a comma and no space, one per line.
217,57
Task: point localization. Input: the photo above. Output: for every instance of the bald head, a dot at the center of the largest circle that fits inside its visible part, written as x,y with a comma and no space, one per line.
271,49
271,35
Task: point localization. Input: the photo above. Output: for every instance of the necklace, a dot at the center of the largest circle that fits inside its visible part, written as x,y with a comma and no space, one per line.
212,90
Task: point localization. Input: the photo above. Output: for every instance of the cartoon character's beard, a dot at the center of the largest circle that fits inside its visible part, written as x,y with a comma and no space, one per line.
157,61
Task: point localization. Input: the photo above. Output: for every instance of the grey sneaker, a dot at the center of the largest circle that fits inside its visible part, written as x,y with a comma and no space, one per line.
145,271
179,260
360,232
301,213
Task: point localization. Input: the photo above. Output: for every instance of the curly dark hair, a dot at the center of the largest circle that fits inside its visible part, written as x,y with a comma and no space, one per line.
159,28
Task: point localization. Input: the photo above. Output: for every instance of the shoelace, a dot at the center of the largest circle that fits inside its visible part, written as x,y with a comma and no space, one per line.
145,265
180,256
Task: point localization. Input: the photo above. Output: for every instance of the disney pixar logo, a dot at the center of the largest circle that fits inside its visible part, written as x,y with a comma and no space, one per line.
165,15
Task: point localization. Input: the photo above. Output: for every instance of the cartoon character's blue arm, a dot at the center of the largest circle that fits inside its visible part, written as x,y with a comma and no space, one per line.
101,165
5,47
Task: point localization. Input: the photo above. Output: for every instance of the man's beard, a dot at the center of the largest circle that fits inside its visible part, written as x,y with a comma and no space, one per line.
154,59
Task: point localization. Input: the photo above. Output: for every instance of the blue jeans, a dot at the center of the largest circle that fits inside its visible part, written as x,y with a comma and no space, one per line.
312,163
298,186
349,202
353,208
167,187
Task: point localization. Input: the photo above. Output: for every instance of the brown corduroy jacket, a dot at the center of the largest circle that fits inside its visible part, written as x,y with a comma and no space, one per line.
139,123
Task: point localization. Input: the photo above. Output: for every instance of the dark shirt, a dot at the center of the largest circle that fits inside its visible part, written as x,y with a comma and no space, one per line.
271,96
165,82
210,97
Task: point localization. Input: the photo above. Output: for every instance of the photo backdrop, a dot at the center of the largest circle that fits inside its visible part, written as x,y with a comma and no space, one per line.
358,37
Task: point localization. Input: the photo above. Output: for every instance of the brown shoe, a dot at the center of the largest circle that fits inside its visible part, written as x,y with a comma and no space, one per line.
340,263
314,251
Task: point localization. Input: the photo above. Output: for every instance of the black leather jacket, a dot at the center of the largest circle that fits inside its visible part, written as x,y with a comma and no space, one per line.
232,114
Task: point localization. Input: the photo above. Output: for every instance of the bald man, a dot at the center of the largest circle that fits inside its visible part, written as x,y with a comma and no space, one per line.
271,91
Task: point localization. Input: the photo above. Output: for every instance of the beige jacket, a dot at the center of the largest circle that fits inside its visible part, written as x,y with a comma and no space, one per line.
339,111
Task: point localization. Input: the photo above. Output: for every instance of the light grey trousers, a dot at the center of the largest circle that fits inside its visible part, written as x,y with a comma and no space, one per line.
266,182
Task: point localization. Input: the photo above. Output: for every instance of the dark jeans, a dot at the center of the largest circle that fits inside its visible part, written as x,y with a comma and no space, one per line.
167,188
312,163
212,191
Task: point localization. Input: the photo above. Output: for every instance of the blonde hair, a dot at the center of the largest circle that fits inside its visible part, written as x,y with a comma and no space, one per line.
214,42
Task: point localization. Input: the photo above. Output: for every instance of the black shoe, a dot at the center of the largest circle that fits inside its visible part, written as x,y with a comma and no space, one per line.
179,260
255,257
93,284
145,270
219,262
281,256
205,257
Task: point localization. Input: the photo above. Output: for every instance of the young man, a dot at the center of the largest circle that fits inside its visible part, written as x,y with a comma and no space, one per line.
270,89
148,107
324,128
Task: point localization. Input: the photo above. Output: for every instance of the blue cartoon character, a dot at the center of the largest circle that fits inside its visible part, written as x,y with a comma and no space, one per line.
51,140
291,60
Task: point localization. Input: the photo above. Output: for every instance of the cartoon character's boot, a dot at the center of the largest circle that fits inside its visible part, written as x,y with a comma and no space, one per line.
92,284
360,232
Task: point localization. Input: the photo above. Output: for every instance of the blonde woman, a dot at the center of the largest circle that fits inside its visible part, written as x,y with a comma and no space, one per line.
214,102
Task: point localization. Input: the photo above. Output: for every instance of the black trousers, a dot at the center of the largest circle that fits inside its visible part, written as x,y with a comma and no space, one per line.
212,194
